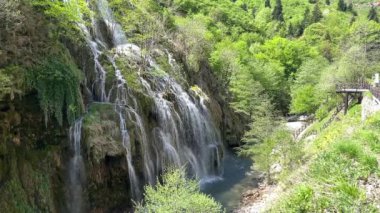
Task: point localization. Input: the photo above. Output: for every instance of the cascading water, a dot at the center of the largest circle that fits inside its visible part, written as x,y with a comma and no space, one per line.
76,170
184,135
98,46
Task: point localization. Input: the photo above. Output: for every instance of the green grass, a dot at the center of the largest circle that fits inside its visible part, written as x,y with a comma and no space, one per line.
339,158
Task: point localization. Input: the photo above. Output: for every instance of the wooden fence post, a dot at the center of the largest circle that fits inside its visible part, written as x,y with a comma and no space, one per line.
346,103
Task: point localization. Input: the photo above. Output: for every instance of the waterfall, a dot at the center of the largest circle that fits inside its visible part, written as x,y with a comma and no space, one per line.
98,46
76,170
184,135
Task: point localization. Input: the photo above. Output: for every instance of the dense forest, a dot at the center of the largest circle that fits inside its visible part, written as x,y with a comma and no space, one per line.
125,105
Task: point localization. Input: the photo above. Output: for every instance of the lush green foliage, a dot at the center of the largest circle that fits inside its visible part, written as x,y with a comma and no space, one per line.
11,81
272,57
276,148
257,43
64,16
57,82
32,56
176,193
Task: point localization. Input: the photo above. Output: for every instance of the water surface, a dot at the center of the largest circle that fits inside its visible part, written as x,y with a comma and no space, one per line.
236,179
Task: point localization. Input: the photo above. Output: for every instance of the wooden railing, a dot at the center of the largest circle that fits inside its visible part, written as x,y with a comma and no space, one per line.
340,87
339,108
298,132
361,85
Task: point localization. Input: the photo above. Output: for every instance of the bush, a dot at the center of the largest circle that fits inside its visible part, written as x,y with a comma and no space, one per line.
301,199
322,112
177,194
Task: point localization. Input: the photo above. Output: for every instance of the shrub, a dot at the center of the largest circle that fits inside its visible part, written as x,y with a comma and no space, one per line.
176,193
301,199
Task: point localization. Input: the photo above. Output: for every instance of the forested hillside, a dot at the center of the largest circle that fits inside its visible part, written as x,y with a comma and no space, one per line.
99,98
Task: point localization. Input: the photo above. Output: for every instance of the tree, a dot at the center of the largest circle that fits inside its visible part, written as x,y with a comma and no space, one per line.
305,96
254,11
328,2
267,3
342,5
317,14
277,147
304,100
248,94
289,54
350,7
372,16
305,21
277,12
292,31
244,7
64,16
193,42
176,193
353,19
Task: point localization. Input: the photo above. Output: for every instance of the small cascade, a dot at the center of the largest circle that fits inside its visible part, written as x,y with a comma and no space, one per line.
98,85
76,170
127,146
95,45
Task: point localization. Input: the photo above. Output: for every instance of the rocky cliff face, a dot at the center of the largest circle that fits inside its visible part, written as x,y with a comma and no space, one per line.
32,158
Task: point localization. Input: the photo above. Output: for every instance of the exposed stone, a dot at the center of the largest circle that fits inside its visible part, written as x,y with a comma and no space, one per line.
371,186
30,159
370,105
102,133
275,169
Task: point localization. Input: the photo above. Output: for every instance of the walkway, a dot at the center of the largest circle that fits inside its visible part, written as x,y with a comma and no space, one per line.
352,89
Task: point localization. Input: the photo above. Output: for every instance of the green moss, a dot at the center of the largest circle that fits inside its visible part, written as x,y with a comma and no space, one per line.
102,133
11,81
17,200
129,73
27,189
146,102
198,92
158,73
34,171
110,70
163,62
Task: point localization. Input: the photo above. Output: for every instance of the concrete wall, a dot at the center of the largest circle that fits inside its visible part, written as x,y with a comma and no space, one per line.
370,105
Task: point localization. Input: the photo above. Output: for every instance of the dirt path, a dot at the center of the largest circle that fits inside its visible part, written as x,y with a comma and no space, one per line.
258,200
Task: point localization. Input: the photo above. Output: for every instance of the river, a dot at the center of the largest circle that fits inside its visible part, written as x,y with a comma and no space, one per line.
236,179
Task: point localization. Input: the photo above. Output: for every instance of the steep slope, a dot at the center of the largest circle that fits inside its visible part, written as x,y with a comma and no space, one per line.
340,171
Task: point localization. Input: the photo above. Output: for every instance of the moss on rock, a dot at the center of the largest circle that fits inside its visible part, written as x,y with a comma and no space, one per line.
30,168
102,132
